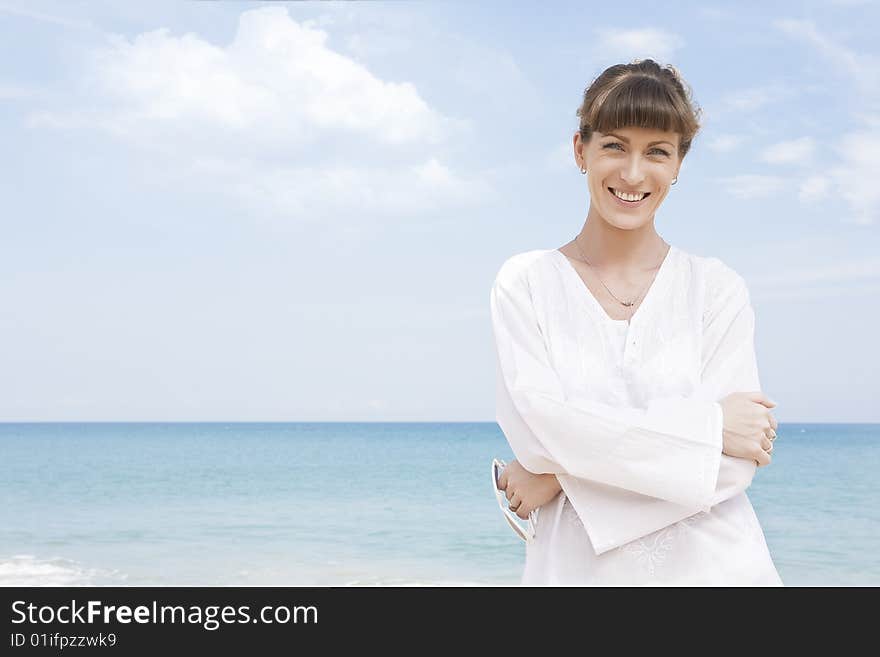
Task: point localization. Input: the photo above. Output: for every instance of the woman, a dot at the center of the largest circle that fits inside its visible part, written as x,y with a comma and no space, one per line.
627,382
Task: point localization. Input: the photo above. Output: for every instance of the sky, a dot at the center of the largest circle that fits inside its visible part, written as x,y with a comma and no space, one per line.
245,211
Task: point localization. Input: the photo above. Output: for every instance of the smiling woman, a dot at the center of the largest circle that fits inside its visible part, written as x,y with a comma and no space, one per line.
627,381
644,122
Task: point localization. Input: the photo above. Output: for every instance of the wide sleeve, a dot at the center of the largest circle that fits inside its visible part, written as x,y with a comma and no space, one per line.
729,362
671,450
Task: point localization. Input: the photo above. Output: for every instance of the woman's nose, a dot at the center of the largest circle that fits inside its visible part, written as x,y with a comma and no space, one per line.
633,172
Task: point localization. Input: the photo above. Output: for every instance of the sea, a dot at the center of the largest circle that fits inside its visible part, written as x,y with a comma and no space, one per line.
356,504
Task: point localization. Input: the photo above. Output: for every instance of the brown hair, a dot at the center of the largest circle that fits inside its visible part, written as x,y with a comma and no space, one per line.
641,95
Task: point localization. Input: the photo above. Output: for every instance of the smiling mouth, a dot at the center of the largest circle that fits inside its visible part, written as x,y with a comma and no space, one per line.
646,195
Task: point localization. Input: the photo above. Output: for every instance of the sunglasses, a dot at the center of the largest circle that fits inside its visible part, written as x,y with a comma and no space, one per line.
524,529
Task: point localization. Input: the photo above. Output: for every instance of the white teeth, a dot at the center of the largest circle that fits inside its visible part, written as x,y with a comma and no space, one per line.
629,197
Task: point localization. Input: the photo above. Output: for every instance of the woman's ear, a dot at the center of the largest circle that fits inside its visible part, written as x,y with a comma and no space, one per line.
578,150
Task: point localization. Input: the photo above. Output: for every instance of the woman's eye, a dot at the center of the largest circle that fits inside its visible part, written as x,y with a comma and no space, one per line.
653,150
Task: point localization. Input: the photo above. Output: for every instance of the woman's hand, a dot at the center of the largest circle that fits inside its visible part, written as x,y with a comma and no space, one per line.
526,491
749,426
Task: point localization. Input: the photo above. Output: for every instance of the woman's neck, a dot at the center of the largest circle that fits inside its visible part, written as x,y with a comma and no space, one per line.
618,250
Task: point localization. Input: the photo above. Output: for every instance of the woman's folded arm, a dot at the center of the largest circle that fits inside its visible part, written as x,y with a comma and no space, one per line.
671,450
616,513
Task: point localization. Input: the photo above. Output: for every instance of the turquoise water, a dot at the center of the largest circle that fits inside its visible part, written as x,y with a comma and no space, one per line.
359,503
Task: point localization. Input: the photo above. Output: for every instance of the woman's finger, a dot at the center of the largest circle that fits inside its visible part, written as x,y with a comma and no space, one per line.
515,501
760,398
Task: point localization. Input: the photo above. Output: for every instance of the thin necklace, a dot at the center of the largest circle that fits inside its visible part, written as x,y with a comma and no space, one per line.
625,303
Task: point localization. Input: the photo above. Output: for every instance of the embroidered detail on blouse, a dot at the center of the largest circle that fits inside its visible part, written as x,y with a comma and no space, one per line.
650,551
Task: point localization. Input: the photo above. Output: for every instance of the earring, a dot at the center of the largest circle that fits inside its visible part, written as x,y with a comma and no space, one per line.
583,170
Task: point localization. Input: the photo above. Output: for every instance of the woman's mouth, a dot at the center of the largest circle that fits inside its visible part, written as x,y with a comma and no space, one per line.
628,204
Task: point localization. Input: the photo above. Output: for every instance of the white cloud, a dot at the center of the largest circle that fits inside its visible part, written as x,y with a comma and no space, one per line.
795,151
858,151
276,118
858,162
277,77
627,45
752,186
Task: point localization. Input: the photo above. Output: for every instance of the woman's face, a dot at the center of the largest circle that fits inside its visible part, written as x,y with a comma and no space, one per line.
628,160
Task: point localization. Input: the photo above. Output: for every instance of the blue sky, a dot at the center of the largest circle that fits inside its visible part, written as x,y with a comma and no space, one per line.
271,211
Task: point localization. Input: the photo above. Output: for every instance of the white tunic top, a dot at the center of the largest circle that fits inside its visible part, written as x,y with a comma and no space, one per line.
626,414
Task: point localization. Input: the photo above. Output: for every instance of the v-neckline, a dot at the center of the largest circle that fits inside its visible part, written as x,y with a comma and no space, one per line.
658,279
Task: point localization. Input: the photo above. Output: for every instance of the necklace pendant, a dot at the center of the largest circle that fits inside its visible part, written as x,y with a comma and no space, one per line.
628,304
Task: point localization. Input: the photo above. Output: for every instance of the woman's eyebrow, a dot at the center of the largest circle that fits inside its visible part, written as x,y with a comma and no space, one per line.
624,139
